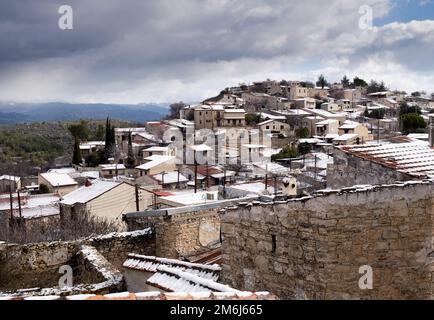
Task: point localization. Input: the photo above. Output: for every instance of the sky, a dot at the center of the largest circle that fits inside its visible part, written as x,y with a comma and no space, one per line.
138,51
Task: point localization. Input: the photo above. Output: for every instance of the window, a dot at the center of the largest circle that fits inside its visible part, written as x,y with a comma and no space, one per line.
282,127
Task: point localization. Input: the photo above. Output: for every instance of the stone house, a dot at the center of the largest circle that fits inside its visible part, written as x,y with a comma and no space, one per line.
9,183
106,200
60,183
109,171
274,126
156,164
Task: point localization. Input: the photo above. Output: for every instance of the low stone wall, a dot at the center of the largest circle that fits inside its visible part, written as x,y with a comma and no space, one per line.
313,247
37,265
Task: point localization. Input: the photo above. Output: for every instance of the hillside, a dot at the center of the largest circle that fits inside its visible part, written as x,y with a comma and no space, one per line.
11,113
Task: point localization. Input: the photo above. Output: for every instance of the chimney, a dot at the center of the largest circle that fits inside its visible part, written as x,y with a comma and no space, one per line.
431,131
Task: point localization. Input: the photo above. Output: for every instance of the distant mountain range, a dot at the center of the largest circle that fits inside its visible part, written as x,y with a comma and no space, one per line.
11,113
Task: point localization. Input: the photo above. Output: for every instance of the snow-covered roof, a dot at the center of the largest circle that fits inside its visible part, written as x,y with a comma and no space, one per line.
174,280
350,125
346,137
85,194
112,167
254,187
154,160
58,179
170,177
63,170
33,206
10,178
151,264
415,158
191,198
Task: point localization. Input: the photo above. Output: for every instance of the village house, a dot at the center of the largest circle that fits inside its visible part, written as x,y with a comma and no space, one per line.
88,147
171,180
331,107
60,183
355,128
9,183
216,116
108,171
156,164
105,200
274,126
305,103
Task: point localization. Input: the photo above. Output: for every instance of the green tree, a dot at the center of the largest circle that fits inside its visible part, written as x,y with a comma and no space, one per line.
304,148
375,86
80,130
412,122
131,159
302,133
346,82
76,156
322,82
99,134
404,108
359,82
43,189
253,119
286,152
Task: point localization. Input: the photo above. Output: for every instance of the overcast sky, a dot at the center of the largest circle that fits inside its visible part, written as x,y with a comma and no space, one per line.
133,51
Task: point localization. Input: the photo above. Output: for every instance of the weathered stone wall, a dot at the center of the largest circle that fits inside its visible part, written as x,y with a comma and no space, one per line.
348,170
182,233
37,265
313,248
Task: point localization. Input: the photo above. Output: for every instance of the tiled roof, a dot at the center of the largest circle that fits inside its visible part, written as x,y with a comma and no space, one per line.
414,158
175,280
151,264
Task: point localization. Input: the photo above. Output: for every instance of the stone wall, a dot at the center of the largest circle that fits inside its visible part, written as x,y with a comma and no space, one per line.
180,232
313,247
348,170
37,265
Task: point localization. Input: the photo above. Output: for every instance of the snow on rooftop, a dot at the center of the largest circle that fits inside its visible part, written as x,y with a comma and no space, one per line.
63,170
85,194
175,280
253,187
170,177
191,198
415,158
112,167
33,206
151,263
10,178
58,179
154,161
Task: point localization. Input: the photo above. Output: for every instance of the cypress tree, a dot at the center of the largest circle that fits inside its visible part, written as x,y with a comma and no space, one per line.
76,156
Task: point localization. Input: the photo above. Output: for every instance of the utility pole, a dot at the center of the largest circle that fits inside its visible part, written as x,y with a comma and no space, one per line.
11,203
266,176
224,183
19,204
275,185
162,178
207,177
136,187
378,131
195,176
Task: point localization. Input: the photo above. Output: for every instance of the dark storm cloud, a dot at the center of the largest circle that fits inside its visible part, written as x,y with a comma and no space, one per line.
128,49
